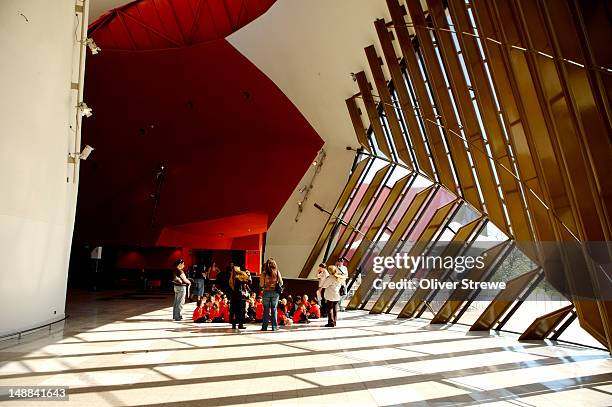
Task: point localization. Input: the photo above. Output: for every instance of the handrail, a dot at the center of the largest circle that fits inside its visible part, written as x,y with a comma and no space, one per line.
25,331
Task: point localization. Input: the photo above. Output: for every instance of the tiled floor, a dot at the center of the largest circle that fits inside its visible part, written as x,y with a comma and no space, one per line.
122,349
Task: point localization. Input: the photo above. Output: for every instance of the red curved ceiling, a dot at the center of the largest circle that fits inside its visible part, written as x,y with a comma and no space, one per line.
233,147
159,24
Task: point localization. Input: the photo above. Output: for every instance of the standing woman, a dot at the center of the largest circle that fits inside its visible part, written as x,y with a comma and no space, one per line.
198,282
268,283
332,294
239,283
180,282
322,274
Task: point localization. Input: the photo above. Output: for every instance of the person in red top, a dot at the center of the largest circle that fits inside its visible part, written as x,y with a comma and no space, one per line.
212,271
208,306
215,314
289,305
259,310
314,312
283,319
300,316
199,314
224,311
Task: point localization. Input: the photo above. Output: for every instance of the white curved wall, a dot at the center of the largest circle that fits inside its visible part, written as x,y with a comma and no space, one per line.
309,48
37,205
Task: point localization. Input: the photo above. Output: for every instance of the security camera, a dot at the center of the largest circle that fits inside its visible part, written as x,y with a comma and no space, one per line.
85,152
93,47
85,110
73,157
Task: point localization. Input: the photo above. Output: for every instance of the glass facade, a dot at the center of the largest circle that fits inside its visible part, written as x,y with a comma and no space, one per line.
477,144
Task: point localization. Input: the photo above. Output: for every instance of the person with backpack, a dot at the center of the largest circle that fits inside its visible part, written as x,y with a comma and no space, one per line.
343,271
239,284
271,282
332,285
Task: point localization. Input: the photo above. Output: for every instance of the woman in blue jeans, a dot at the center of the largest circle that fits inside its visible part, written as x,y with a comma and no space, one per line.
267,282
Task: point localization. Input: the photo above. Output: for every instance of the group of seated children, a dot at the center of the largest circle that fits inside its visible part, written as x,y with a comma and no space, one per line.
212,309
216,309
299,312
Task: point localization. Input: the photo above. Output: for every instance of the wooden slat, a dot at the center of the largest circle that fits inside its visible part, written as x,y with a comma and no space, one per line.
407,221
435,224
468,117
365,201
465,234
432,132
414,131
492,124
542,326
333,218
381,218
372,111
493,258
385,96
355,116
448,118
503,300
586,102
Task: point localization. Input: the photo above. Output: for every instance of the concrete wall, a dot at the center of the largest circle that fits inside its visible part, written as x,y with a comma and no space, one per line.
40,59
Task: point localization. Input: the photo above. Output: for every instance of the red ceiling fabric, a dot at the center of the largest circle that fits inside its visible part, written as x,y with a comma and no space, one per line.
231,143
159,24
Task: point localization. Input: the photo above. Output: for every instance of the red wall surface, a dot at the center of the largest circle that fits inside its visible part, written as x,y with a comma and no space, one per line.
232,145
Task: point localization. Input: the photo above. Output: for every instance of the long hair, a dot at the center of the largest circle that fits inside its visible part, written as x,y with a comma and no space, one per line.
239,275
270,266
333,271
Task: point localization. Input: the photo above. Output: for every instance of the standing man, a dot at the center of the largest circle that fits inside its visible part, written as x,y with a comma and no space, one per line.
180,282
343,273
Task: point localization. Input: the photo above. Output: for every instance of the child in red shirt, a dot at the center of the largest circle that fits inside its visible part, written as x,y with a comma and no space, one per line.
300,316
259,310
199,314
215,315
283,319
314,312
208,306
224,312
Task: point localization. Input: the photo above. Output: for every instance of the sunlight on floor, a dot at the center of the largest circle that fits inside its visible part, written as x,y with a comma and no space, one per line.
130,354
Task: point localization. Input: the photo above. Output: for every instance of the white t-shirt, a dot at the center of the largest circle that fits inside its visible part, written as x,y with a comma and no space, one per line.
332,288
322,275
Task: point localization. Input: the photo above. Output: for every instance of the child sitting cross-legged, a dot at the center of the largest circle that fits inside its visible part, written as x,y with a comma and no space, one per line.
306,302
215,314
283,319
250,313
199,314
300,316
314,312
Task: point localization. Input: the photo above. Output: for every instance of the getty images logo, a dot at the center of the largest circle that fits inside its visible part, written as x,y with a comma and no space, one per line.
414,263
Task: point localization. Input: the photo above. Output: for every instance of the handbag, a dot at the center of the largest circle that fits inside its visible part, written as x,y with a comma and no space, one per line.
342,290
278,288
